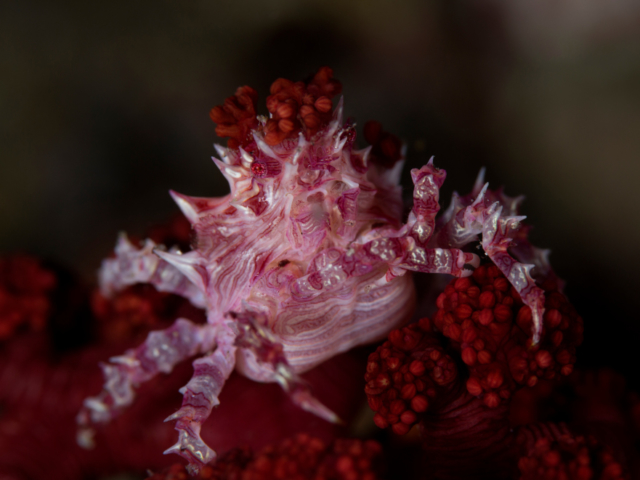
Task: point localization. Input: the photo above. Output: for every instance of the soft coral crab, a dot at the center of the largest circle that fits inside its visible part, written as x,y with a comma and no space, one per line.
304,258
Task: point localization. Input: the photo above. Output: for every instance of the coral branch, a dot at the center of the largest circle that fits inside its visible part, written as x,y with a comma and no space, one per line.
143,265
160,352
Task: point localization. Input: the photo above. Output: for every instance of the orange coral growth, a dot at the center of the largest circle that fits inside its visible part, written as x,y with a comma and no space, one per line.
294,106
236,117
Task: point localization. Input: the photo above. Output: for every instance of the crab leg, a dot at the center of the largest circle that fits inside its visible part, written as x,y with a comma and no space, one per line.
485,217
497,234
258,342
146,265
200,395
160,352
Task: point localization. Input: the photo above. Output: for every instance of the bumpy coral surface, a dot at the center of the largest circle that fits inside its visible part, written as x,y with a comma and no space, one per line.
305,258
302,457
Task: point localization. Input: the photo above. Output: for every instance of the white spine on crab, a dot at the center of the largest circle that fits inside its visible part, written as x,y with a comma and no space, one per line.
477,186
231,172
186,205
263,147
200,395
336,119
245,158
159,353
133,265
496,237
188,264
223,152
393,175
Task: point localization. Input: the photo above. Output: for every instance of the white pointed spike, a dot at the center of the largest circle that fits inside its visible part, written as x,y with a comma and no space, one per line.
263,147
302,145
479,181
480,197
336,120
245,158
123,245
183,412
365,153
430,162
337,112
339,143
173,449
186,264
230,172
223,152
186,206
396,171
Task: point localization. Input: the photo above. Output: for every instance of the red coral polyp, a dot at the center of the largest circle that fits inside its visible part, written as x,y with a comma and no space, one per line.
300,105
236,117
553,452
302,457
404,374
491,328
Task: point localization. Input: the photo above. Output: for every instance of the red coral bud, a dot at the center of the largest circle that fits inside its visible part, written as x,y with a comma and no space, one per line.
400,428
417,368
484,357
552,318
502,313
485,317
397,407
495,379
544,359
469,356
408,391
409,417
474,387
419,403
323,104
380,421
463,311
491,400
487,300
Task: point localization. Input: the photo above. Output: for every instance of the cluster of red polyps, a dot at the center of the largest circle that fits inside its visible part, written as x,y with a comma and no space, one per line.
553,452
236,117
297,105
299,457
490,328
293,106
455,377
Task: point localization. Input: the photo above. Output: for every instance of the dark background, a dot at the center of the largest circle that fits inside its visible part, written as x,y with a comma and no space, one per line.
104,107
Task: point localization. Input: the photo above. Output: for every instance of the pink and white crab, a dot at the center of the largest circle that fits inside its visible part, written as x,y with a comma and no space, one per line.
305,258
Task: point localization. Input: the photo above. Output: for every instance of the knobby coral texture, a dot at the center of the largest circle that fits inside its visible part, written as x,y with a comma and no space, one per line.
269,291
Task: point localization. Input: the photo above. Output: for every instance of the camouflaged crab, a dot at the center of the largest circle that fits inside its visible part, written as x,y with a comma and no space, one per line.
306,257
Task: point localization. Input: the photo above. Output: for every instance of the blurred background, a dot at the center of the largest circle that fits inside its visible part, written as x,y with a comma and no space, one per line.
105,108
